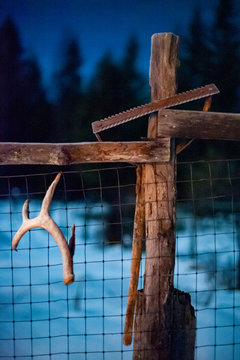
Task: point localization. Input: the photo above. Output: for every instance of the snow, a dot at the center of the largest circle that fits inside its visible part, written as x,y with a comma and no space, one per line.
92,309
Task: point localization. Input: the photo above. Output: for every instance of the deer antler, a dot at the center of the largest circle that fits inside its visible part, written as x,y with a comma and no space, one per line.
44,221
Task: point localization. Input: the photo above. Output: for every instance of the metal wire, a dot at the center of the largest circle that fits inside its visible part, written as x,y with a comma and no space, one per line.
41,318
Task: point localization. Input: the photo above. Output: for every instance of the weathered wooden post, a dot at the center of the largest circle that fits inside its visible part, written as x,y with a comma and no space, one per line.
164,322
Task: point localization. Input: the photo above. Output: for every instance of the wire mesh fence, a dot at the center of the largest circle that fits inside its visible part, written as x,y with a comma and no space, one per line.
207,260
41,318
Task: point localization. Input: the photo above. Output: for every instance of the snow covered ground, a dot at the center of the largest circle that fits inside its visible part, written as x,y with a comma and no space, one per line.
36,320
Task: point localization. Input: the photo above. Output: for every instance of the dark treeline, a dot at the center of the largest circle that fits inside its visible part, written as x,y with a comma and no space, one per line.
27,115
24,109
209,53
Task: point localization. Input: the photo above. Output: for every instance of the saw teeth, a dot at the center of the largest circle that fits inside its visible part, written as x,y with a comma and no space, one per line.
154,106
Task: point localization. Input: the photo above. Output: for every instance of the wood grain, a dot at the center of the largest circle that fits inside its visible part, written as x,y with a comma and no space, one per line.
199,125
156,320
76,153
138,236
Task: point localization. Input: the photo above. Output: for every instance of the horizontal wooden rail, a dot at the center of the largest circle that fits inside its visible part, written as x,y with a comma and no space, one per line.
199,125
76,153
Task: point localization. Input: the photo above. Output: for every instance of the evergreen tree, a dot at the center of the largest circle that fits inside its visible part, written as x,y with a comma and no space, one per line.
34,108
226,48
105,91
10,64
69,98
196,67
115,87
212,54
134,84
23,105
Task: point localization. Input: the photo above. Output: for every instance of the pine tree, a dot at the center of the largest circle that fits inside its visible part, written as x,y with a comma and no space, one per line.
212,54
134,83
105,91
226,48
197,55
69,98
115,87
10,64
34,108
24,110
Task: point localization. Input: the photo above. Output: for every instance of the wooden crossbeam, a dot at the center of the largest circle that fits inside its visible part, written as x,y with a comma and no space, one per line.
199,125
171,124
76,153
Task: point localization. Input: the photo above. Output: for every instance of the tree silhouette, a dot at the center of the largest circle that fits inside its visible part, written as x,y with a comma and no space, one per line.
115,87
134,83
225,40
24,110
105,91
10,63
212,54
196,67
69,97
35,111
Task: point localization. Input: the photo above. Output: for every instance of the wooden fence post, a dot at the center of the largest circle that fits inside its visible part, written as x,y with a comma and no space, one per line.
164,322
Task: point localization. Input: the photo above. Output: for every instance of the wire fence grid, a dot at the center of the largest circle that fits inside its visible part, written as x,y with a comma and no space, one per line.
41,318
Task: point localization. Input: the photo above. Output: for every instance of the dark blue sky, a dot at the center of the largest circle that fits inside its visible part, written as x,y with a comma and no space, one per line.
100,25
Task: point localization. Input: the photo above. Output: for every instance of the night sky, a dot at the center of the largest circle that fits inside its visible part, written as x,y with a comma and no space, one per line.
100,26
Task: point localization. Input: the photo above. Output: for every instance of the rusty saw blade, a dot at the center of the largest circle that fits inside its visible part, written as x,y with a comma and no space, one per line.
149,108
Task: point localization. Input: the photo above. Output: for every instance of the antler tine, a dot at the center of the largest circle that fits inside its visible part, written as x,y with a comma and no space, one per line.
27,225
46,203
44,221
25,210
